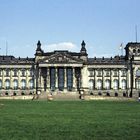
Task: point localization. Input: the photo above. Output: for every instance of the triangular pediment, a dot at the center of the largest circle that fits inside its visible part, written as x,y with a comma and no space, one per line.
61,58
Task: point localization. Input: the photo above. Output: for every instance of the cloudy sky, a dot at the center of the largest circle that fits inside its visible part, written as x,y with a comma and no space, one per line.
63,24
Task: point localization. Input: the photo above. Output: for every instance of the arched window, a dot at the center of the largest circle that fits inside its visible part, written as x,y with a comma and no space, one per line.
107,84
91,84
15,84
0,84
123,84
138,83
99,84
115,84
138,72
134,50
138,50
7,83
23,84
31,84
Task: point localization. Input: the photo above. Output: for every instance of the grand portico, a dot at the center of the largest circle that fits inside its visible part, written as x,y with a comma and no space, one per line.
59,78
59,71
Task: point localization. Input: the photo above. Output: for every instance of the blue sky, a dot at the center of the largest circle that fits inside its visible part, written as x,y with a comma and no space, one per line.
63,24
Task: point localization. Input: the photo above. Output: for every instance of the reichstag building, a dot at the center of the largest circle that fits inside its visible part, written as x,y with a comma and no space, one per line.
65,72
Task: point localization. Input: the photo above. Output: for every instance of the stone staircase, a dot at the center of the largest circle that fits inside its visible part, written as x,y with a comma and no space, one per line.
60,96
43,96
67,96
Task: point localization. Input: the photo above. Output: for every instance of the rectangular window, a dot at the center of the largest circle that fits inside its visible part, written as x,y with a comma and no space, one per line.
123,73
107,73
15,72
0,83
99,73
138,83
61,79
31,73
115,73
7,72
52,79
23,72
69,79
91,73
78,78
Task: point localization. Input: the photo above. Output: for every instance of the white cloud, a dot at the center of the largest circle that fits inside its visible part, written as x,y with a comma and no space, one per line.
73,47
60,46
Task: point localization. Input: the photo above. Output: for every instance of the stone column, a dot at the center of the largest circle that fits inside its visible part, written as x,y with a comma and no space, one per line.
134,82
128,79
111,78
34,79
103,80
65,78
74,78
81,79
3,84
19,79
11,80
48,78
119,80
41,80
27,80
56,77
95,79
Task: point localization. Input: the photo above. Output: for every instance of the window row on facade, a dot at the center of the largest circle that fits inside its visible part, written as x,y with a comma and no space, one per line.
107,84
16,72
100,72
17,84
136,51
99,84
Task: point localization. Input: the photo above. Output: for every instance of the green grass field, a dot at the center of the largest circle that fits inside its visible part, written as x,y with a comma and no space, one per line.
64,120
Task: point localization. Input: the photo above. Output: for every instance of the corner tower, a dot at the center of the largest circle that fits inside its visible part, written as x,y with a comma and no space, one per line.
133,50
83,51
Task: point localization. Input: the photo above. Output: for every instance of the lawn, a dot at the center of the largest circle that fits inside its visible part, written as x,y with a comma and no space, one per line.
64,120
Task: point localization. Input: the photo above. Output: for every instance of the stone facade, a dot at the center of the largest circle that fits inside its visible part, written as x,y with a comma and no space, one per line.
64,72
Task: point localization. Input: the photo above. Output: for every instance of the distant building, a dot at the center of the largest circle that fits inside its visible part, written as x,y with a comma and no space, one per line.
67,72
